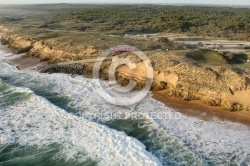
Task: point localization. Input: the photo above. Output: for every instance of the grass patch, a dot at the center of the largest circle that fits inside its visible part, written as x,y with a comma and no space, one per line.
206,57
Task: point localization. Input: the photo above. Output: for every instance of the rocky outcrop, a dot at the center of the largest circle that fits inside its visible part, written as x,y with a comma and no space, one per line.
48,52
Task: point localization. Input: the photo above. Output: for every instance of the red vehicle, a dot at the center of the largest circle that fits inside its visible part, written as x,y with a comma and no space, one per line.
120,50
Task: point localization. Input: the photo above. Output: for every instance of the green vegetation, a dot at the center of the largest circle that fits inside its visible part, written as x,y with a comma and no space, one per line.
233,23
212,58
206,56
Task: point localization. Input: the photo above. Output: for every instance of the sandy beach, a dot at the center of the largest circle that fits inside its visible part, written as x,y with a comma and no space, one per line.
25,62
202,111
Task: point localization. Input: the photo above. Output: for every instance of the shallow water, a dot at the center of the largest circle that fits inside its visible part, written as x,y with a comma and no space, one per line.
57,119
28,156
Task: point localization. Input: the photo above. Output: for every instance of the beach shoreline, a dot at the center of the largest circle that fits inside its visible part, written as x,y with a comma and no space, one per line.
202,111
192,108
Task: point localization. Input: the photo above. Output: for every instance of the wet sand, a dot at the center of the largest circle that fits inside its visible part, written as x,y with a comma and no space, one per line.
202,111
25,62
21,61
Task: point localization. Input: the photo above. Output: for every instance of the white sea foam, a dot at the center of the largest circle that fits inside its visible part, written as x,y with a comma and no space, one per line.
37,122
4,53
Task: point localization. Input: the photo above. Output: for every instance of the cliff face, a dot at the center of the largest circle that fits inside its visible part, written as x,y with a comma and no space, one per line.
213,85
47,52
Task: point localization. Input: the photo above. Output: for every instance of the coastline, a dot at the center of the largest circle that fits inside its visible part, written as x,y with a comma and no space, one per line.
195,108
227,87
192,108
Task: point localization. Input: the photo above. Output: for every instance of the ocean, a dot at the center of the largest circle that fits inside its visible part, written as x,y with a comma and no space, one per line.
59,119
